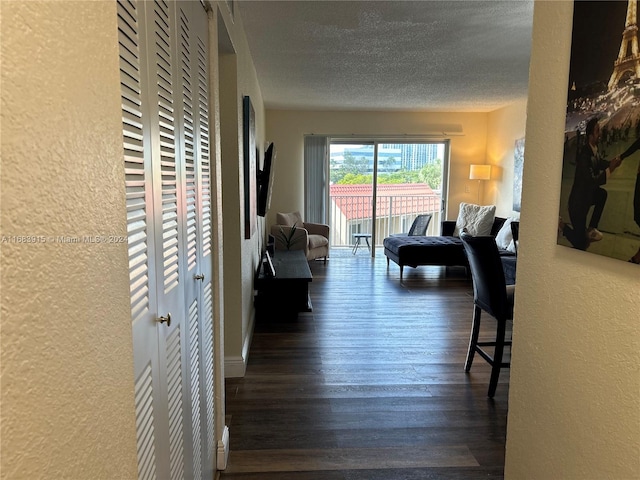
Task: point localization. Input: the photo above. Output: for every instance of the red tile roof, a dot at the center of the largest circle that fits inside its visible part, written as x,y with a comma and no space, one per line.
354,201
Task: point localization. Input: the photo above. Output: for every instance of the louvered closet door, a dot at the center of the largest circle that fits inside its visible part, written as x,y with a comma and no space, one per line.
166,154
169,238
151,410
194,111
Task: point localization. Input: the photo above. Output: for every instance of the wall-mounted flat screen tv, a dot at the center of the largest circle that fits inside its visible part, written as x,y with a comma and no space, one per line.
265,180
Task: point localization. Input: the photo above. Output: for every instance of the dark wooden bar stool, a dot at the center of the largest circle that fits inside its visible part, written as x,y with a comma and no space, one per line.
492,295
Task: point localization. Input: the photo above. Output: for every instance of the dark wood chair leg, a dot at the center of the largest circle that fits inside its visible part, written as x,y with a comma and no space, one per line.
473,340
497,358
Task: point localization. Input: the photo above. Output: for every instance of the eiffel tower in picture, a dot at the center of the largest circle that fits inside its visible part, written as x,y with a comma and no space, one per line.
628,58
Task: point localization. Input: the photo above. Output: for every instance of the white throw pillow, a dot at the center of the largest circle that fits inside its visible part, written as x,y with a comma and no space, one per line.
477,219
289,219
504,237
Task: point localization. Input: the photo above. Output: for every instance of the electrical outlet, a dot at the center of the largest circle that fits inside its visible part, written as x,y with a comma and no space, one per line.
466,189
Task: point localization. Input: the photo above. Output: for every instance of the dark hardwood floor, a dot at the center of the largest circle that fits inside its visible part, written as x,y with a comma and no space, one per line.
370,385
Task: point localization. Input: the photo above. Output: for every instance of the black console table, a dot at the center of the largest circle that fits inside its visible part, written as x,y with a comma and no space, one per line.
288,291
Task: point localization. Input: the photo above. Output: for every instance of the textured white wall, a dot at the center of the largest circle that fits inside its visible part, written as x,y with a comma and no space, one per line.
67,361
241,256
574,404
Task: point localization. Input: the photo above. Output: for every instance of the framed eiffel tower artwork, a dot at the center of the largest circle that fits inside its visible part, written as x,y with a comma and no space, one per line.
600,191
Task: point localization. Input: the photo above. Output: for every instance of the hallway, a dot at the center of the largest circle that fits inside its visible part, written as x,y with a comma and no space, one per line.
370,385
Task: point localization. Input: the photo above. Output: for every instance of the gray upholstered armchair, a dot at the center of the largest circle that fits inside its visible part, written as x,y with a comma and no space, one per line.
313,238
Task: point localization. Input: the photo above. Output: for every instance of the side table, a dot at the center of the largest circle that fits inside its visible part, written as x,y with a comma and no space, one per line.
288,291
359,236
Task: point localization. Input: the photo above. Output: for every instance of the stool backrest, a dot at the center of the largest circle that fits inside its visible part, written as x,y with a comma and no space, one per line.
489,286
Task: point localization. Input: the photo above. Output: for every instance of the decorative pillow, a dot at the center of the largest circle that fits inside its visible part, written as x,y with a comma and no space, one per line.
504,238
290,219
476,219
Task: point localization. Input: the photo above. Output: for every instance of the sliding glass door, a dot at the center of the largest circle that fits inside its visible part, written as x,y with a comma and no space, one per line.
378,188
351,191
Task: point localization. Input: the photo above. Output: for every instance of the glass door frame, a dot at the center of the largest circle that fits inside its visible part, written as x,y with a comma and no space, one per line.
398,140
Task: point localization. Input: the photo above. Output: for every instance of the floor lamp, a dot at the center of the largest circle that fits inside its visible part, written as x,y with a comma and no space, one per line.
479,172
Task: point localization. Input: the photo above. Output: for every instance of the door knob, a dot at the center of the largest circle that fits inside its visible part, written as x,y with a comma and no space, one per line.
199,277
165,319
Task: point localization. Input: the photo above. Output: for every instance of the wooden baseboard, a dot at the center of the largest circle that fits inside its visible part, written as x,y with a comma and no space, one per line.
234,367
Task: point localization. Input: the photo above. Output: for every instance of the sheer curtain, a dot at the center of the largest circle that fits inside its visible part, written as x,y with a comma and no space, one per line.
315,178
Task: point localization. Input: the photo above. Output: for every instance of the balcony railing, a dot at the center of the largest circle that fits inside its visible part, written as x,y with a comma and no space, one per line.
394,214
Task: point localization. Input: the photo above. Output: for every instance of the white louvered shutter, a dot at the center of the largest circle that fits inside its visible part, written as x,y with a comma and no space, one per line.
206,260
200,57
164,83
194,54
140,217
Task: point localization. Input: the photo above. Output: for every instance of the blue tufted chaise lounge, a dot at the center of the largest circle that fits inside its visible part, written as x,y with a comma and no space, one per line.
444,250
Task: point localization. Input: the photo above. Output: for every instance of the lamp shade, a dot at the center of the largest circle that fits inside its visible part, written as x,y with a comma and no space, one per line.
480,172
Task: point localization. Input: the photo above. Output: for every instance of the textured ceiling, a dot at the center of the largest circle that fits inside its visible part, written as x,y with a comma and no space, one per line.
462,56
